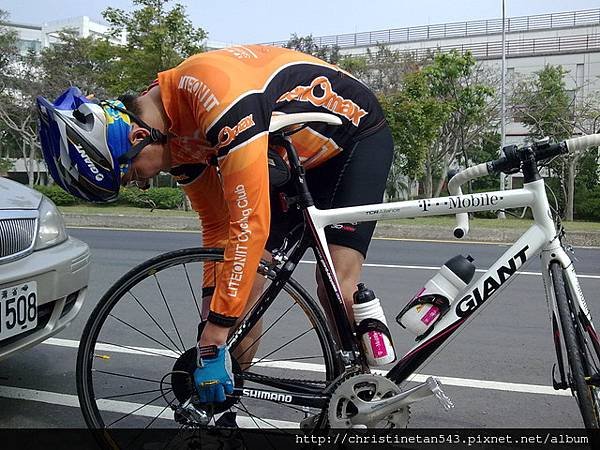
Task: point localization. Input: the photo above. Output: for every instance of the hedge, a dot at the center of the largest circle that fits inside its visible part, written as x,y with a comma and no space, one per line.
57,195
159,198
587,204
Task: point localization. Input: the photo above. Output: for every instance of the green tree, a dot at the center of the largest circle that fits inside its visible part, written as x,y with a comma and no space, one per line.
8,52
18,85
307,44
386,69
545,105
356,65
87,63
8,45
455,80
587,185
158,38
414,117
17,110
481,150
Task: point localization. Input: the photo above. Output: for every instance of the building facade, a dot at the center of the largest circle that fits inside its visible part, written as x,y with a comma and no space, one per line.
570,39
36,37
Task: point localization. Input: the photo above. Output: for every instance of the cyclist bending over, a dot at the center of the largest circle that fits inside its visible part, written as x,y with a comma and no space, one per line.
206,121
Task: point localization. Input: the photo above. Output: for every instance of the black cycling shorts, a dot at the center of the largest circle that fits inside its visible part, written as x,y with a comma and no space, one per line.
357,176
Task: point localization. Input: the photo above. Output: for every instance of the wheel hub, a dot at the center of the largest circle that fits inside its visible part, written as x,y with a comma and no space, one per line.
182,380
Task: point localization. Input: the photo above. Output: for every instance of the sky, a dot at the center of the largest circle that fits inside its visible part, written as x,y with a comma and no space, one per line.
256,21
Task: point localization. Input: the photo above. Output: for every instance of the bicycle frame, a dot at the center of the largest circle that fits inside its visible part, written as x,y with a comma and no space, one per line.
540,237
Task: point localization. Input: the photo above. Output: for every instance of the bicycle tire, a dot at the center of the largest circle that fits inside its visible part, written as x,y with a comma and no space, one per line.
575,353
153,268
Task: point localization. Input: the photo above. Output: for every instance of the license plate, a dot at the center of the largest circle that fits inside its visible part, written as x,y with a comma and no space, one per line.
18,309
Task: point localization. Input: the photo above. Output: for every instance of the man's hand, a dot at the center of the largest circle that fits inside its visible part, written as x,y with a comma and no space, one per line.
213,377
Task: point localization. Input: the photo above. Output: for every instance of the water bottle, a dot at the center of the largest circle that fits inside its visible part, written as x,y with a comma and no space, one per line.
433,300
371,327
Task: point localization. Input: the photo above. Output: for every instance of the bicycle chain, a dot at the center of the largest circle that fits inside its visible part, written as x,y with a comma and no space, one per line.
255,377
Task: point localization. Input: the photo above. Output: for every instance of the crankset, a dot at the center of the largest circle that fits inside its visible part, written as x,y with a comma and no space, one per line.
374,401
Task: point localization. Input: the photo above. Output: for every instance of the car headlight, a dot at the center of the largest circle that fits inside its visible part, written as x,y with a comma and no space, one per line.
51,226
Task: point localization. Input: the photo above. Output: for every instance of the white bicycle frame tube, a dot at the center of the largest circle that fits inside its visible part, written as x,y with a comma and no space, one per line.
541,236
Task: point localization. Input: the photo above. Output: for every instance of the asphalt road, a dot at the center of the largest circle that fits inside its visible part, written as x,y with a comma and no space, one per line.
497,370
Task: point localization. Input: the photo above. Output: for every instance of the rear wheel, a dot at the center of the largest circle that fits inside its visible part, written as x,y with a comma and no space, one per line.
579,352
145,327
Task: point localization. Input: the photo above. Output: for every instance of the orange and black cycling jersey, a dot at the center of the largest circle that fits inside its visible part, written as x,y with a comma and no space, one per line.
219,105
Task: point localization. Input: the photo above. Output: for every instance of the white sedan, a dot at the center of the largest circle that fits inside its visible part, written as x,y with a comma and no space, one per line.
43,272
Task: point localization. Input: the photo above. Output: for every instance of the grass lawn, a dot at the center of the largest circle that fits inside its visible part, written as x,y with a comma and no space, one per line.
124,211
442,221
509,222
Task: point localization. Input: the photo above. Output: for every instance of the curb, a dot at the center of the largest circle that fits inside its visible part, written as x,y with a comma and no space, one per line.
383,229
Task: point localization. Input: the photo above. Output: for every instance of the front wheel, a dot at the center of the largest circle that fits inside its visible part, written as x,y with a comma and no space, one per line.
582,364
140,340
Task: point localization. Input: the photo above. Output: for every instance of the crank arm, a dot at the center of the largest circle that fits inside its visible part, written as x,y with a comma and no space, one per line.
373,411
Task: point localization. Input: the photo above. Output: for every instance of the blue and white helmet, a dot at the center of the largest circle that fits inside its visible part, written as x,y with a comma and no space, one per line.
86,144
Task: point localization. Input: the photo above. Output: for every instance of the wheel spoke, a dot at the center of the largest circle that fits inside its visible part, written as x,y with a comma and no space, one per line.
160,414
152,318
110,397
278,348
254,417
141,350
132,377
179,352
187,276
267,330
297,358
134,411
169,311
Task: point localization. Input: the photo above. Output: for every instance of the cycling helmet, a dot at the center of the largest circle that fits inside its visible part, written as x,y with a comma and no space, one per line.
86,144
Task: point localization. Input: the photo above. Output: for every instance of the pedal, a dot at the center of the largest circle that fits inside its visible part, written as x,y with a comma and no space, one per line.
436,388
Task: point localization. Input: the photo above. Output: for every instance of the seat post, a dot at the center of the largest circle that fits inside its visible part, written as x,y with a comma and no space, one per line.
304,198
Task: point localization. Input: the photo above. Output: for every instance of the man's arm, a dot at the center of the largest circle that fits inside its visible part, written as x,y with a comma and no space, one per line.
245,183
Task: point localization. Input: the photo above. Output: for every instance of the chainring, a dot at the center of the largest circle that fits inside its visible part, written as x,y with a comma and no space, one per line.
362,389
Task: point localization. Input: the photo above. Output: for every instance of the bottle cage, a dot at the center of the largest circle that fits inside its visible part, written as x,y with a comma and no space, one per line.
432,299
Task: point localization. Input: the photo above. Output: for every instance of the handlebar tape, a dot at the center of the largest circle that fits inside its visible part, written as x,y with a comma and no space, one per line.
583,142
454,187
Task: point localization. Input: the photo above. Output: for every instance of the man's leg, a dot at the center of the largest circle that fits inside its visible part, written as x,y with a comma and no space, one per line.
355,177
348,268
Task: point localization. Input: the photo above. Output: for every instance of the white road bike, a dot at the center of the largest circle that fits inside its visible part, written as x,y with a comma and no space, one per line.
318,376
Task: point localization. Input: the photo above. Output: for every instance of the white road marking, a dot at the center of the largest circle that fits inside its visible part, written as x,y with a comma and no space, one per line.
137,409
312,367
399,266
